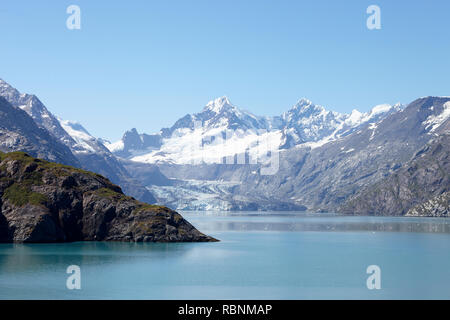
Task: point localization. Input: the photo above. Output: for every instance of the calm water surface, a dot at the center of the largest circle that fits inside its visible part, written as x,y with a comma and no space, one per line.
260,256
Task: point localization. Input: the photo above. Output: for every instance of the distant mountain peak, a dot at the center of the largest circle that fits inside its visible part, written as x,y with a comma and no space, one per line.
219,104
132,131
3,83
132,137
303,102
306,107
9,92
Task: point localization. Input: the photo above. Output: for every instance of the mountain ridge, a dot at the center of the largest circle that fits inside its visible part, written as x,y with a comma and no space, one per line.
304,122
18,132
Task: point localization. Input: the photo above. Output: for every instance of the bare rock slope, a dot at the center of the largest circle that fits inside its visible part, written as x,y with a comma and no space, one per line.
439,206
418,188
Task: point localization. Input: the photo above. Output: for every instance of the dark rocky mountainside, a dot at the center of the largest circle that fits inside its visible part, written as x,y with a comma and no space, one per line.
47,202
147,174
421,183
439,206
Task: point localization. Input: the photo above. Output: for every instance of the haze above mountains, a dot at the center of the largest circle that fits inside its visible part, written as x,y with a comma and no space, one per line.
326,159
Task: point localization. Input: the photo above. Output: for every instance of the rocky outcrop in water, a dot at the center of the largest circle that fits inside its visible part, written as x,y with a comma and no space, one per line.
47,202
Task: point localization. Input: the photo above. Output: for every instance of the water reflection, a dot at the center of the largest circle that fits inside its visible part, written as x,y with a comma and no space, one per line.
303,222
20,257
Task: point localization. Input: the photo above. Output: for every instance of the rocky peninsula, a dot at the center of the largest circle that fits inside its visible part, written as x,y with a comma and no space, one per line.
46,202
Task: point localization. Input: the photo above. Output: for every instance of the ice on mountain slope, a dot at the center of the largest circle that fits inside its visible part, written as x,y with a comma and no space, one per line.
196,195
115,146
203,138
309,125
435,121
213,196
356,118
219,130
209,146
307,122
84,142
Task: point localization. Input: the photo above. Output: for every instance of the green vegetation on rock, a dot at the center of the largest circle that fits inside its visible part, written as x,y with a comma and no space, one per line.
113,195
20,195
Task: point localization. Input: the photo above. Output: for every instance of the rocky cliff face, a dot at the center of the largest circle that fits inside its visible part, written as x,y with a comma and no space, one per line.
439,206
419,185
47,202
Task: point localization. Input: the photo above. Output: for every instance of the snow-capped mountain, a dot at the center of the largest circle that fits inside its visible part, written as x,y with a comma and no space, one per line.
312,125
35,109
220,113
83,142
70,133
218,131
19,132
221,130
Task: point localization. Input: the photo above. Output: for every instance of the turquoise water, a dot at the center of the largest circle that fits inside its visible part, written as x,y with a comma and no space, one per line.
261,256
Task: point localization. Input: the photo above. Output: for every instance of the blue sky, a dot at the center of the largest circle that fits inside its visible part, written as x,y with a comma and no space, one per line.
144,64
